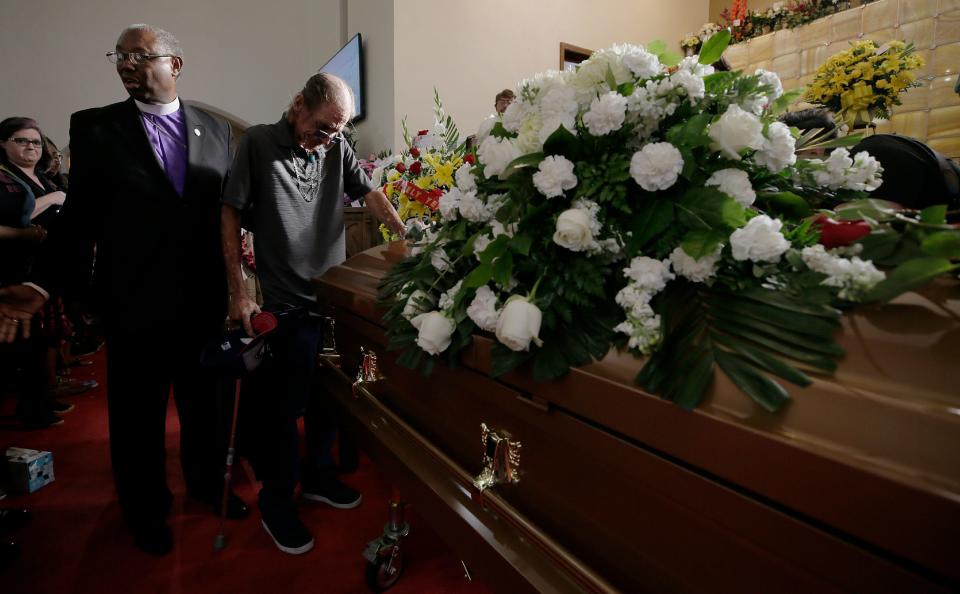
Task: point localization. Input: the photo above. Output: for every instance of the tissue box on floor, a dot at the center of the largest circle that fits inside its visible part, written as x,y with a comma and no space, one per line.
29,469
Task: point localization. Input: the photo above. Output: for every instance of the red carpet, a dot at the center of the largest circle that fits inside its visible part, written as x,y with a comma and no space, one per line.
77,543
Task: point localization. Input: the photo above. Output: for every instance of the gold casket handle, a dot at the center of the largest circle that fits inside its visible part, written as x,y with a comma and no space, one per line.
328,347
501,459
368,372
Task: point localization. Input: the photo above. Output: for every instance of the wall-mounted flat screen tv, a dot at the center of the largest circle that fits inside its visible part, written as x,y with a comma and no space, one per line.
348,65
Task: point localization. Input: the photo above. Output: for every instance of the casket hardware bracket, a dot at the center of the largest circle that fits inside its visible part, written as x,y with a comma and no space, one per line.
368,372
501,459
328,348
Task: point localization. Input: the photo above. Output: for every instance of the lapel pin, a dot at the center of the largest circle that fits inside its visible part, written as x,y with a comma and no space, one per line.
196,131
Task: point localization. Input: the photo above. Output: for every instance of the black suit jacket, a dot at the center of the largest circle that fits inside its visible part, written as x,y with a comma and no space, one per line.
158,257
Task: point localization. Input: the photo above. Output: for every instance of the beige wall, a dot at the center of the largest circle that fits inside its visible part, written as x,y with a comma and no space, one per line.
472,50
244,57
374,20
247,58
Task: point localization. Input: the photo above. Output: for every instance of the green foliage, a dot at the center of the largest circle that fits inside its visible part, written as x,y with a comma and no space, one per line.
714,47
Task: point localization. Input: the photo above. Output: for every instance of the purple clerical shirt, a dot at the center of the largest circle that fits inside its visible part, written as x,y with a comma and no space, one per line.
166,129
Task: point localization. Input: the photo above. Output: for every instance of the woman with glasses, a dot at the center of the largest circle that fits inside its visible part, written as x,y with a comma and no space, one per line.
24,194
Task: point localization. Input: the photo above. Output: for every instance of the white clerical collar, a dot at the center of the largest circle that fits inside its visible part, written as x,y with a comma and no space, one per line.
161,109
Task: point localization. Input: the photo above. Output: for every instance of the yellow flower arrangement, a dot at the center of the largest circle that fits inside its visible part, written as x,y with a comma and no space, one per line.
415,179
865,81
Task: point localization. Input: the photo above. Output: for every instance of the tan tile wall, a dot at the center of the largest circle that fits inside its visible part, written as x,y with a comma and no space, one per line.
930,112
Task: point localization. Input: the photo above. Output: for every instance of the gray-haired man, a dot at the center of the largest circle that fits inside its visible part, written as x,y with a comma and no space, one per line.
288,179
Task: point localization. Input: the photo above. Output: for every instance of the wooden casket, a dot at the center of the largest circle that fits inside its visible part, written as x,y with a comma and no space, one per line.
853,487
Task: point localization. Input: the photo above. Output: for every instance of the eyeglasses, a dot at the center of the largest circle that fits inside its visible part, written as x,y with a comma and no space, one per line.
326,136
135,57
35,142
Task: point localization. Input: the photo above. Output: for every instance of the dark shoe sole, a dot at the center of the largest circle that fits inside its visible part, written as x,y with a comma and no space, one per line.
290,550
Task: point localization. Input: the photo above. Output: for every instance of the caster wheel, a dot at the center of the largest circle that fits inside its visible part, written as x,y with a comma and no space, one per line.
385,572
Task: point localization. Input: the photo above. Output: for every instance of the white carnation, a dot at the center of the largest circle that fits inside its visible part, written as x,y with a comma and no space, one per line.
499,229
839,171
485,127
865,173
555,176
449,204
641,63
695,270
853,277
649,274
481,243
440,260
656,166
465,179
449,296
514,115
736,130
692,64
475,209
772,80
689,82
644,333
734,183
759,241
495,154
634,300
606,113
779,148
559,101
483,309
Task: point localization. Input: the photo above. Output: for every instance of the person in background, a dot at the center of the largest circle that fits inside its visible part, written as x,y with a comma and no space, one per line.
25,196
145,185
503,100
287,181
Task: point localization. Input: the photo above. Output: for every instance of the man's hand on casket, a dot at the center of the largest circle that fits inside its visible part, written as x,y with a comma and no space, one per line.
381,208
242,308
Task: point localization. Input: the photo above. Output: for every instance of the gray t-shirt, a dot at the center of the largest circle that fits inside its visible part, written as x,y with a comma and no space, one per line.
298,234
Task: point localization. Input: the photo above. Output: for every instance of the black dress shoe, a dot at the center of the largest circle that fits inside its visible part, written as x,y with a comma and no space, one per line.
9,551
153,537
13,519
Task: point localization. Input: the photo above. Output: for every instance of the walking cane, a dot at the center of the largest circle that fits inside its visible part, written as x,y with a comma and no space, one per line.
221,540
250,354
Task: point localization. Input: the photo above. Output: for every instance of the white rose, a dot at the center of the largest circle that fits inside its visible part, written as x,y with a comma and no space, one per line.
779,148
649,275
656,166
606,113
734,183
695,270
555,176
495,154
483,309
417,303
465,180
435,330
574,230
519,323
759,241
736,130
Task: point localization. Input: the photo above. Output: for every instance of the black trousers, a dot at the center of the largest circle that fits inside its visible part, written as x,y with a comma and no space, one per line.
141,370
272,398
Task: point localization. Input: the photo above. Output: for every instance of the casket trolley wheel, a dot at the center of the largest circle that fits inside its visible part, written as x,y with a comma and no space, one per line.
384,554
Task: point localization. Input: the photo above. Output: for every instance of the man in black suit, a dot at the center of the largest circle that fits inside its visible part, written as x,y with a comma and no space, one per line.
145,187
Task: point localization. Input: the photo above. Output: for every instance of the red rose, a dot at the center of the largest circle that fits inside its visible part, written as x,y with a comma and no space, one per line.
415,167
401,167
423,132
840,233
469,158
414,151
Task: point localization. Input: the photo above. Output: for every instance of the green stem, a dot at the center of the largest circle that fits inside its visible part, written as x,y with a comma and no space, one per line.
533,292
